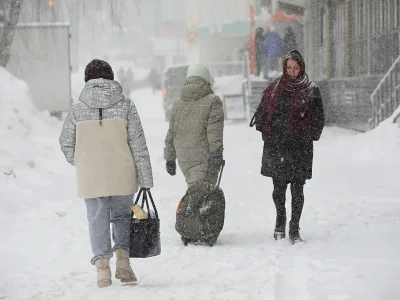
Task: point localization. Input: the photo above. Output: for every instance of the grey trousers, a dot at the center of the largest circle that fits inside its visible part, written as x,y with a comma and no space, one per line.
103,211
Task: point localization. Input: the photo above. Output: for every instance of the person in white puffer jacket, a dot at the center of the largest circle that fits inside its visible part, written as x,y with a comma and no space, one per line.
103,138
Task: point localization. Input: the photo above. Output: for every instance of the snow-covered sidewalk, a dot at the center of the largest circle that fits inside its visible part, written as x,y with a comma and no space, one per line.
351,223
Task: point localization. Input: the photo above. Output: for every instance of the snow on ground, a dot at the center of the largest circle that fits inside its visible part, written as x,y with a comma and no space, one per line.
350,223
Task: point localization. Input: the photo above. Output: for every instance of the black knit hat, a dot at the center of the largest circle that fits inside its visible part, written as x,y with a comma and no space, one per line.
98,69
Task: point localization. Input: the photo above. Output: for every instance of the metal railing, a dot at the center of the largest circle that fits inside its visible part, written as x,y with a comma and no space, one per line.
386,97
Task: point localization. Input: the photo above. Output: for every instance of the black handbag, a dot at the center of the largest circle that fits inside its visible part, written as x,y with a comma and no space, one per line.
145,233
258,119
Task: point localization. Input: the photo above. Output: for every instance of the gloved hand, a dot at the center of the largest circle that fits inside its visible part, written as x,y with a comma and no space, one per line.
171,167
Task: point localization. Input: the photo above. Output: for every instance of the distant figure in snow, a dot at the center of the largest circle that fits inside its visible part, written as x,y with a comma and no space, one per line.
260,56
103,138
129,80
121,76
290,117
289,41
154,79
195,134
273,45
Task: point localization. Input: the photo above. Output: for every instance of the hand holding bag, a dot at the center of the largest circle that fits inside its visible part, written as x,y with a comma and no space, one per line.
145,233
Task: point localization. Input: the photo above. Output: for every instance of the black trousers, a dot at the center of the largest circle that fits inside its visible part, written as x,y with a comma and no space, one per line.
259,62
279,196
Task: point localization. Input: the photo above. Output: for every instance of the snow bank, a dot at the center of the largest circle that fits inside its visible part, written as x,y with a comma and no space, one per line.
380,145
20,121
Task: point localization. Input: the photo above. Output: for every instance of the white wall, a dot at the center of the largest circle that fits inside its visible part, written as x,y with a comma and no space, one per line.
215,12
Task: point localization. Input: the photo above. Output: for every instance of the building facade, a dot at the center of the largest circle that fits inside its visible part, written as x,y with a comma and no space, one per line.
349,47
220,29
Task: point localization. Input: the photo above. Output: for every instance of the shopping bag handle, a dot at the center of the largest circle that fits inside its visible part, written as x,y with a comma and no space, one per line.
152,203
145,200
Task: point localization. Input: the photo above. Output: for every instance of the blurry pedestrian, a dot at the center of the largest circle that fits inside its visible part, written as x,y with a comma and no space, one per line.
273,45
260,56
289,41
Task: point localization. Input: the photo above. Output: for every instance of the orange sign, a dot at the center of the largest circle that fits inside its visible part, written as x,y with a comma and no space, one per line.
282,16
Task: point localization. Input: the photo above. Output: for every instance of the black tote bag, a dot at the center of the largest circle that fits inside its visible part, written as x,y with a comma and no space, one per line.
145,233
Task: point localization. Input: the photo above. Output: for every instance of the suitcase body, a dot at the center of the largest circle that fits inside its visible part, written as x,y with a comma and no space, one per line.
200,215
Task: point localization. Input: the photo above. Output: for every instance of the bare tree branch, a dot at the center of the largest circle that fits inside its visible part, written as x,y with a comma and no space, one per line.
7,35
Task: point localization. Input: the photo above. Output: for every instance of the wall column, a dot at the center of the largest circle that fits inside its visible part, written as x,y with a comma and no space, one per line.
330,40
348,37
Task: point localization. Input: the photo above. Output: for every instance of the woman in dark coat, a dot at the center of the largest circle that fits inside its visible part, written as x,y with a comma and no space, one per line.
290,117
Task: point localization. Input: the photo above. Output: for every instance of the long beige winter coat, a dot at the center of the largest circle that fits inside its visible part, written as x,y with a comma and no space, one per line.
195,130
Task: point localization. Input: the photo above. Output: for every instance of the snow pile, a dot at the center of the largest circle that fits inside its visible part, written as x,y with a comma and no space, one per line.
20,122
380,145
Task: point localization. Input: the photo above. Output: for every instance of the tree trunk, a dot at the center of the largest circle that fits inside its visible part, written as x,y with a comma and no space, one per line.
6,37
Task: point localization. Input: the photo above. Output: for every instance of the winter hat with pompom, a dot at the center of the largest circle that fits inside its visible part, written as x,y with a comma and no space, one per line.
98,68
199,70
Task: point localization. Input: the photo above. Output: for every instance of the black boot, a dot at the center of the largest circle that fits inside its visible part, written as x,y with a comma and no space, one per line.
297,208
294,233
280,226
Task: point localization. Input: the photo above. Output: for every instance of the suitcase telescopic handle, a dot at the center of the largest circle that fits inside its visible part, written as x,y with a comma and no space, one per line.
220,173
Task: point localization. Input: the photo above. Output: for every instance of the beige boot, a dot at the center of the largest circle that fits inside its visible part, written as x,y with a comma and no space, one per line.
103,272
124,271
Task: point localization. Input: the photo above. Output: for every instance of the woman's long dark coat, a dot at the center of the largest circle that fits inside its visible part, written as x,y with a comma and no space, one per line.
287,157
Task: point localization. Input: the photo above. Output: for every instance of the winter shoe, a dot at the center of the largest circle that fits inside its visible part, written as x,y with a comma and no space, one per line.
124,271
294,233
280,227
103,272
